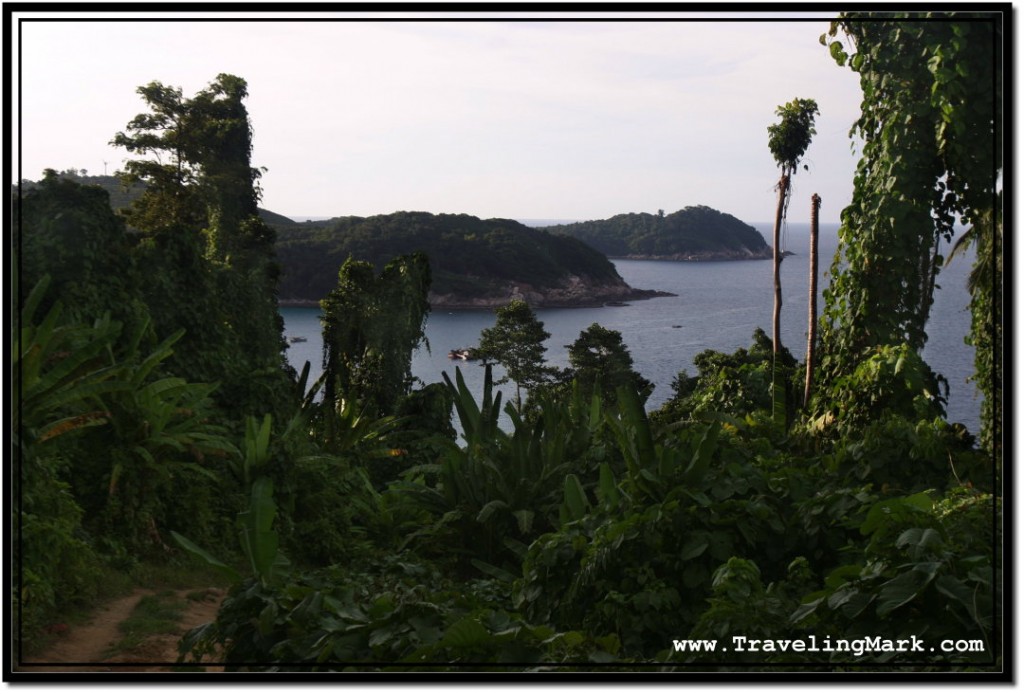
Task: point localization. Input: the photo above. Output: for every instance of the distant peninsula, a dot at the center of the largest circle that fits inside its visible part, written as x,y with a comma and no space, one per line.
476,263
692,233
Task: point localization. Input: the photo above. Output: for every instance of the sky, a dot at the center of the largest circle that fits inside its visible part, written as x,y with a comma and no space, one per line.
457,113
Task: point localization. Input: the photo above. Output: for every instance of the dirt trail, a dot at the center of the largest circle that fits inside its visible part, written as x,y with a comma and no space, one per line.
88,647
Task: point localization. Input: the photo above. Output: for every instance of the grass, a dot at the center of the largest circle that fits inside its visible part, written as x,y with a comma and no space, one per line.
154,614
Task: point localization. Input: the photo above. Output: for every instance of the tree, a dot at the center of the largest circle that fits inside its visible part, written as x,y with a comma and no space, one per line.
208,255
812,301
371,325
201,176
517,343
787,140
601,363
931,122
68,231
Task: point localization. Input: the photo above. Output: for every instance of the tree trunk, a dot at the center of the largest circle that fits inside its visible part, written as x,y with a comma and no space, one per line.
776,262
812,301
778,382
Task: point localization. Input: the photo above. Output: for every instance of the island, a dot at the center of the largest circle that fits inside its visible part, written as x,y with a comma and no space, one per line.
475,263
692,233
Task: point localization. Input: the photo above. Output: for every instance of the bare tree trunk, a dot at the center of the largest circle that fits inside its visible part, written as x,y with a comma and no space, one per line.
776,262
812,301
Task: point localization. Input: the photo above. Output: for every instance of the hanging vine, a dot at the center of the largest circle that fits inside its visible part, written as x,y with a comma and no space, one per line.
371,325
929,122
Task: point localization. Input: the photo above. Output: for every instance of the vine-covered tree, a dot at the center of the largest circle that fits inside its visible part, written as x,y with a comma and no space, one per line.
371,325
200,175
199,220
931,127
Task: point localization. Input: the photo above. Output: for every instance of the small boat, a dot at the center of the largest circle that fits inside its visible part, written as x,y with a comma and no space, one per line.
296,338
465,354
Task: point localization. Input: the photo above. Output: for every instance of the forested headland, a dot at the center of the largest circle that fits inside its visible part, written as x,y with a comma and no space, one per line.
692,233
474,262
159,427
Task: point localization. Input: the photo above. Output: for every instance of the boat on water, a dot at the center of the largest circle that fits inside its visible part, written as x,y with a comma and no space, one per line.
465,354
296,338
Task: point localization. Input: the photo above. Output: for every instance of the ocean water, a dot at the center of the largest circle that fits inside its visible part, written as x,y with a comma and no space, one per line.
718,305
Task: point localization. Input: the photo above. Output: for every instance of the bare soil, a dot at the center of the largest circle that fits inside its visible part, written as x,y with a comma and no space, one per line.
90,647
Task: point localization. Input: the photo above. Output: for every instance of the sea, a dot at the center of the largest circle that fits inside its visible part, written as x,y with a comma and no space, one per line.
717,305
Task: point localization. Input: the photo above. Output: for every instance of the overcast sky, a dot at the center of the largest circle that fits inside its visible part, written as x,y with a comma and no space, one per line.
518,119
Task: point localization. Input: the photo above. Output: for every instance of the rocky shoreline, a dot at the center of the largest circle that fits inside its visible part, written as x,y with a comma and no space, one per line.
709,256
575,293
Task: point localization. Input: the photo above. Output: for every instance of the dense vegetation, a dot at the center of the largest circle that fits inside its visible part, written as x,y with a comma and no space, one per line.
357,533
470,257
693,232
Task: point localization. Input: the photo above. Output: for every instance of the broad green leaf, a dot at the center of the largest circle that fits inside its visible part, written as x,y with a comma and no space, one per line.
905,587
693,548
465,633
225,570
607,489
575,497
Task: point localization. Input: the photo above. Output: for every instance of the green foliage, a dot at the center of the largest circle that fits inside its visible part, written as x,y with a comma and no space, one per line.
200,176
639,561
501,490
68,232
930,122
891,379
371,325
469,258
517,343
740,604
986,336
396,614
789,138
599,359
257,537
207,255
926,569
698,232
738,384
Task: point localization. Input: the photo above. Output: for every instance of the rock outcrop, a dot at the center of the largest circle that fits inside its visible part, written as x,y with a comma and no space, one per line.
576,292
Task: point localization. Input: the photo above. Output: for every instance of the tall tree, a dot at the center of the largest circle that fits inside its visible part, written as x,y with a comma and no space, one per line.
931,125
371,325
601,363
788,140
200,175
812,301
199,225
517,343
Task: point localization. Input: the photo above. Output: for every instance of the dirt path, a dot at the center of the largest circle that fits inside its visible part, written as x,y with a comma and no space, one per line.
88,648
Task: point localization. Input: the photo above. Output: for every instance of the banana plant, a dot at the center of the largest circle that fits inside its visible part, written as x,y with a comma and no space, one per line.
57,370
258,540
657,462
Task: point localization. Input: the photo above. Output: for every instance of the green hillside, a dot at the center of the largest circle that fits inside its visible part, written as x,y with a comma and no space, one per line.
692,233
469,256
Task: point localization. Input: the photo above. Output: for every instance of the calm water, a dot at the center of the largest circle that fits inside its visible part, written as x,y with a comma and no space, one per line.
718,306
